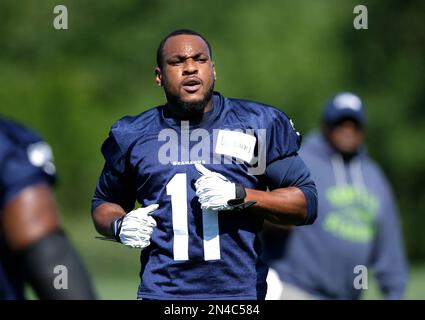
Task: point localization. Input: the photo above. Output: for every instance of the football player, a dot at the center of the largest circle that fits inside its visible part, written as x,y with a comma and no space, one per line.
207,171
33,247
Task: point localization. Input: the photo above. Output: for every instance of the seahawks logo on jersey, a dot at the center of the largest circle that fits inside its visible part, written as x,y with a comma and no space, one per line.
40,155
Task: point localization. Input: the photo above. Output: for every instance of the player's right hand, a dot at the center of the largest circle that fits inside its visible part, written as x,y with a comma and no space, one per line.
135,228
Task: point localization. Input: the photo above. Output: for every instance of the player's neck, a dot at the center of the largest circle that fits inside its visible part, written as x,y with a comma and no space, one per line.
182,114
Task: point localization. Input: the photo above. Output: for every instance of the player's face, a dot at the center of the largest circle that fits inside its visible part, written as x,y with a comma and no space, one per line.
346,137
188,73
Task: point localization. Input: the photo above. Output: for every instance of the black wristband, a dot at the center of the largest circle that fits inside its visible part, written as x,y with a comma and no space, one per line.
243,206
116,228
240,194
239,203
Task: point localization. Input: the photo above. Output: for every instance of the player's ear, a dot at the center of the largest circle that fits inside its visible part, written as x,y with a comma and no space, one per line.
213,67
158,76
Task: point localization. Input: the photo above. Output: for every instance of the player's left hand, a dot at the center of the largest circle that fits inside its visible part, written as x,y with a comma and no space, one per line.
216,192
135,228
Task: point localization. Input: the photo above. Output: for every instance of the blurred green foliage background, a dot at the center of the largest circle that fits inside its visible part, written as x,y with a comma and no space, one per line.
72,85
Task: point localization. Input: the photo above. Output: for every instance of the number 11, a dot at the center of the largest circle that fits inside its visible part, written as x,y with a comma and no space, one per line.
177,189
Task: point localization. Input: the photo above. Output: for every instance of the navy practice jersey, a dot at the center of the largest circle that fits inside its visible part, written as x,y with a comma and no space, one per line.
25,160
194,253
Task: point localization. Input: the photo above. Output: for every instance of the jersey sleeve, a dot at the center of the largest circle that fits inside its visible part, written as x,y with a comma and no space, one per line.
22,167
116,183
292,172
282,138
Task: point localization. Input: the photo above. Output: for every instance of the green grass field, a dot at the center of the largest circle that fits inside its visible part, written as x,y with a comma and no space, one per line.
114,268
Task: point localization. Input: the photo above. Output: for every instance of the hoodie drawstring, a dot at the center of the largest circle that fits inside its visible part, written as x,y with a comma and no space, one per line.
355,168
357,174
339,170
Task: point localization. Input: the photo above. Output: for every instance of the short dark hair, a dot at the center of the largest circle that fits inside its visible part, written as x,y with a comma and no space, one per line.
173,34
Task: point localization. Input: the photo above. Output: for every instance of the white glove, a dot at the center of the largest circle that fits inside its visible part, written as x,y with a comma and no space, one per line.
135,228
216,192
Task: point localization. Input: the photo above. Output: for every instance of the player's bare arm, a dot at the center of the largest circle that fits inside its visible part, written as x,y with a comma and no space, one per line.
32,230
30,216
292,199
103,216
132,229
283,206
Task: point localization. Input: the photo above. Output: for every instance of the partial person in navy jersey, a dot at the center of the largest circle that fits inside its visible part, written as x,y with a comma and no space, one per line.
33,247
206,170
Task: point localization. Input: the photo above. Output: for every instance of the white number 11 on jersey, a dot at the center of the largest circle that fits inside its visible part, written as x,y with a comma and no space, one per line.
177,189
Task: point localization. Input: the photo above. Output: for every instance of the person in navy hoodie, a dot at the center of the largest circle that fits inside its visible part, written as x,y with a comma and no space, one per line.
357,229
